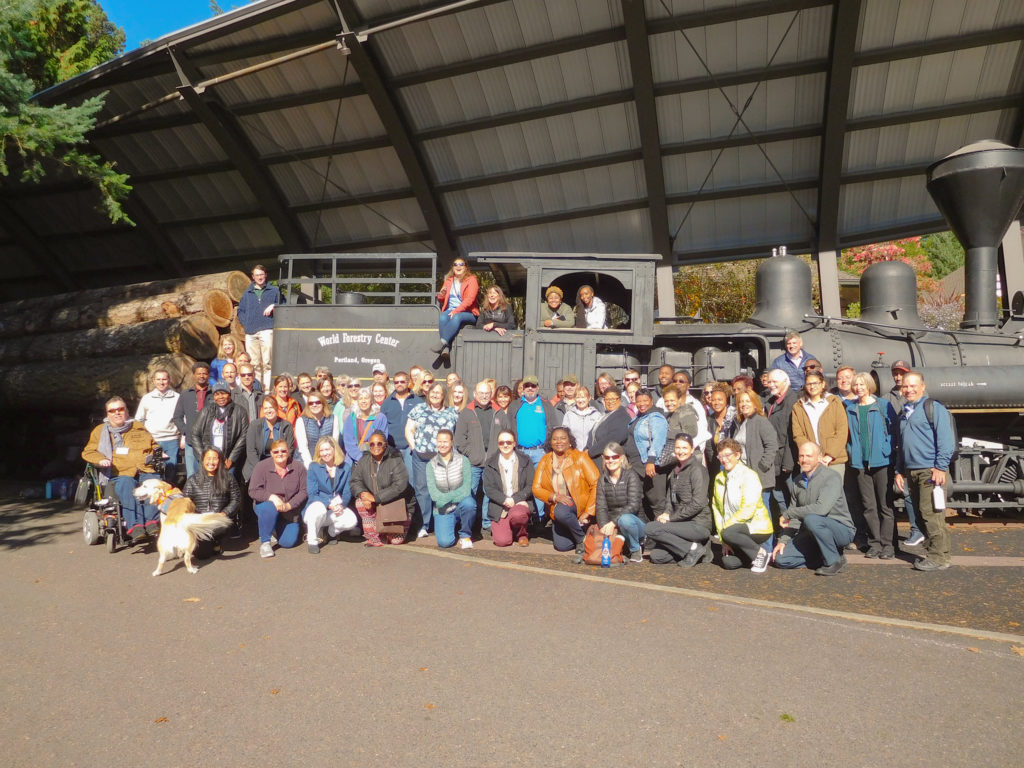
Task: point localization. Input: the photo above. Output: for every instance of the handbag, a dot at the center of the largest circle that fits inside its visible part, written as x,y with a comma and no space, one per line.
592,547
392,517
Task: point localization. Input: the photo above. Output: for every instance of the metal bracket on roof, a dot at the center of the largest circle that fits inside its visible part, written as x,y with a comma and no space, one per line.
182,77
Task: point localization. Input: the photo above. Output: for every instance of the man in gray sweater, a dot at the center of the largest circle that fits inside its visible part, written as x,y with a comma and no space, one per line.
817,526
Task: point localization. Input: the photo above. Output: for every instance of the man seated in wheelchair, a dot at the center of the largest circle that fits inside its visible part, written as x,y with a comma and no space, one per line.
123,450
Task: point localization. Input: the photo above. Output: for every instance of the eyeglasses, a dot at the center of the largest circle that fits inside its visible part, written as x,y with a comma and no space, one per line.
529,386
376,444
401,381
315,402
247,374
279,451
631,378
612,457
116,410
353,386
726,454
506,442
458,264
427,382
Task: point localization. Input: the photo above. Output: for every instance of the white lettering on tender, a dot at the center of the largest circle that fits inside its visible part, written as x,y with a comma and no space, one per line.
386,340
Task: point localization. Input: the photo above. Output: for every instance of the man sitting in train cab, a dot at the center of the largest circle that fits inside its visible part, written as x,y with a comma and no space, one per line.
793,360
554,313
926,449
817,526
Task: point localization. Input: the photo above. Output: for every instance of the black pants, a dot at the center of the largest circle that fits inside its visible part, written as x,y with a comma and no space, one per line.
676,538
742,542
875,488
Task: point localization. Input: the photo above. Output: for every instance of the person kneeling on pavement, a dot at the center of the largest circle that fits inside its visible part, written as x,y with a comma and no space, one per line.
817,526
327,483
123,451
741,518
681,533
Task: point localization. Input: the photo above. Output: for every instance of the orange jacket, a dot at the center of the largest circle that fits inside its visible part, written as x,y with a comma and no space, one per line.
470,289
581,475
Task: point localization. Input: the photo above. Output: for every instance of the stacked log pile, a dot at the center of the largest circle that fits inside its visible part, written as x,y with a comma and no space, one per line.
74,350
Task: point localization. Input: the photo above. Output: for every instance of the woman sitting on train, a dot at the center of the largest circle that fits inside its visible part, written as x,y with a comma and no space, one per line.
591,312
458,299
553,313
495,313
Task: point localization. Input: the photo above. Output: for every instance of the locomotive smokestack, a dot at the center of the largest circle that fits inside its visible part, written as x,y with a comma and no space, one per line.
979,189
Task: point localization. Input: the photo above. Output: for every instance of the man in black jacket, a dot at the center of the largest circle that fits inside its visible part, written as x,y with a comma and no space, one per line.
779,410
476,437
191,402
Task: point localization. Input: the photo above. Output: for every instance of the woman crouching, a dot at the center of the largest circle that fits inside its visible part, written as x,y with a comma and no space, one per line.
327,481
566,481
619,501
508,478
378,479
681,532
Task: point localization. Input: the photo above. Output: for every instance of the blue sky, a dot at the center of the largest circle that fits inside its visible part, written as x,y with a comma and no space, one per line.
150,19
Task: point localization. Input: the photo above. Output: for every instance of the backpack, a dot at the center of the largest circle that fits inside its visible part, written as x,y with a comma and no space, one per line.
929,412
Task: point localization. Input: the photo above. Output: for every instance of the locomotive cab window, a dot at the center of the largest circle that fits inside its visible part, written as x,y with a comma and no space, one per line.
585,301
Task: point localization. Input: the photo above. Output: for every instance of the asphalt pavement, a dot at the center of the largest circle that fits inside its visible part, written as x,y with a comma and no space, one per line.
414,656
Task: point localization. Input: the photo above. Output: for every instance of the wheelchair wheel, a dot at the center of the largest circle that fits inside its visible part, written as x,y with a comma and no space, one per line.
111,542
91,527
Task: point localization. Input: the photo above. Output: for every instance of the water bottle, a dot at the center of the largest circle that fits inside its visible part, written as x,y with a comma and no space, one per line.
606,553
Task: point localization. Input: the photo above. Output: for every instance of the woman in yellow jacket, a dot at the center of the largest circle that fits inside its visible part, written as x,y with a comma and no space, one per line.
741,518
566,481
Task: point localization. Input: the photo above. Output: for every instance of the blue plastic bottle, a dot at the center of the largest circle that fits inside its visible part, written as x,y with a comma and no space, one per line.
606,553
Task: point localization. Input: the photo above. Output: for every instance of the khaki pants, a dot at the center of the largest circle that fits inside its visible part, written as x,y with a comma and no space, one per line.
260,347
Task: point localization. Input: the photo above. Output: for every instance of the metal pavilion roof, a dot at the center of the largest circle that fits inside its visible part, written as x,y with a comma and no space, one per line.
699,129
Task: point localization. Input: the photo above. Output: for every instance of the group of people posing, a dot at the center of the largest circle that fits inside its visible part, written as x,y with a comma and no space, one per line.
791,478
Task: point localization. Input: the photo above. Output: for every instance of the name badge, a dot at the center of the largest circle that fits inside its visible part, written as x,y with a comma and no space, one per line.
122,451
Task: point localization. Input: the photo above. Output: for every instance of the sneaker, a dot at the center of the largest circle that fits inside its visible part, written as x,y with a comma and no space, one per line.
636,556
924,564
313,548
466,543
422,534
873,552
888,553
266,549
831,570
273,540
693,556
578,557
760,564
235,531
138,534
524,541
914,539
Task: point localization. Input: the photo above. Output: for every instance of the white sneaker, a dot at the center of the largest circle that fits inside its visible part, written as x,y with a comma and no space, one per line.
914,539
266,549
273,540
466,543
760,564
422,534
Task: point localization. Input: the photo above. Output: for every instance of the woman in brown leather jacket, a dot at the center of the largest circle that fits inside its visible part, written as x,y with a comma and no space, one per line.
566,481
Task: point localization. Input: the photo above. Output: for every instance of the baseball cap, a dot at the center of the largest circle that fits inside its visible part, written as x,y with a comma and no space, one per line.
379,368
531,379
220,386
901,365
572,378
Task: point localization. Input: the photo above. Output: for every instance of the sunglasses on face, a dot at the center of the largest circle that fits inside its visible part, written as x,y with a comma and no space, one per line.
529,386
505,442
612,457
376,444
279,452
316,402
459,264
632,378
116,410
427,381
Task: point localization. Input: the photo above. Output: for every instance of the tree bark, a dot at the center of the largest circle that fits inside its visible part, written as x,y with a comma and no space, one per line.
195,336
86,383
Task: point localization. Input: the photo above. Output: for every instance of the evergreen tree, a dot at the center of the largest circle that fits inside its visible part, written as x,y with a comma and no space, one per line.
43,42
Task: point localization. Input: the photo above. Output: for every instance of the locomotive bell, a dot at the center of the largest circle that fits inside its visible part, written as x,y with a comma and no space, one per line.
979,189
783,288
888,295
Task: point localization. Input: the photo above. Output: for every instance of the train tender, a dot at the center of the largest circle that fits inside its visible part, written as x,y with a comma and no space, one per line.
975,370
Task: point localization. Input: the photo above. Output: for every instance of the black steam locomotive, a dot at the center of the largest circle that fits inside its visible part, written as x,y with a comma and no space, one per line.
973,370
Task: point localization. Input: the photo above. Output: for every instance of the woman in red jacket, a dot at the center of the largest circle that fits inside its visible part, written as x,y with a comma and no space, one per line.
458,299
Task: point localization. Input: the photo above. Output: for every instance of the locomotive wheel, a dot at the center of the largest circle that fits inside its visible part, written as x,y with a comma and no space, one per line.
90,528
111,542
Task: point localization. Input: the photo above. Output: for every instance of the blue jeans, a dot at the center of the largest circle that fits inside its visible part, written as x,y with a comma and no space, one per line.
419,486
566,533
820,541
449,327
464,516
272,524
536,454
191,462
478,473
633,528
133,510
908,502
170,447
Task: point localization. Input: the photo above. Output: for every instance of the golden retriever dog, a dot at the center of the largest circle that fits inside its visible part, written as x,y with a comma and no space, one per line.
181,526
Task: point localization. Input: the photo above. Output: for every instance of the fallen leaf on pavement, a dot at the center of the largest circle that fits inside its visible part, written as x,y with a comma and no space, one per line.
274,691
160,720
191,600
428,705
424,669
1018,649
974,650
